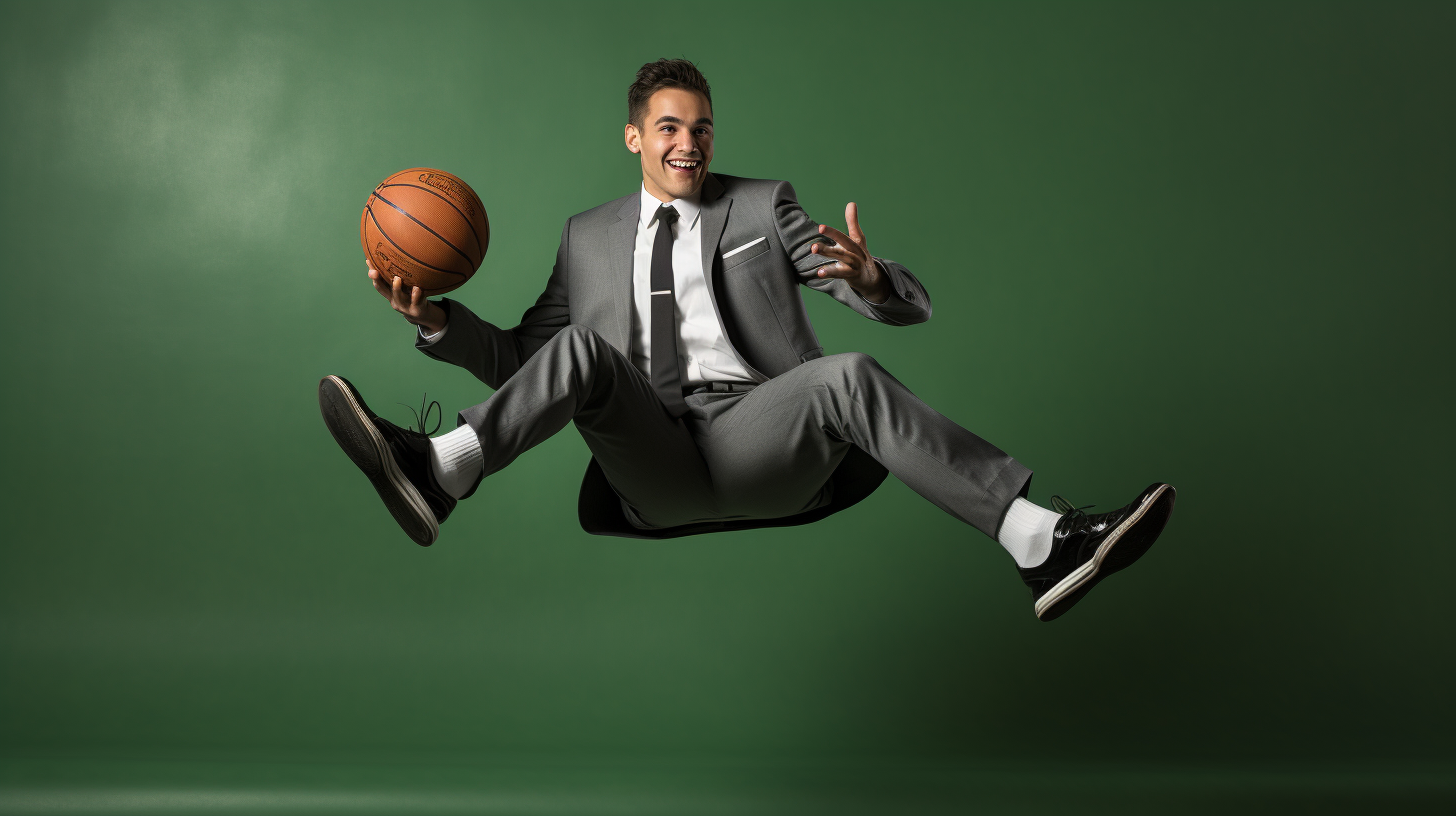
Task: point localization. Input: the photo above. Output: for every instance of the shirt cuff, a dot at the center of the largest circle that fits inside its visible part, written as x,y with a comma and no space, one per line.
430,338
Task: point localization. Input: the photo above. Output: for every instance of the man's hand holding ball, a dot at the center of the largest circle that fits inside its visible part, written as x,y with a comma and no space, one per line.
411,302
429,232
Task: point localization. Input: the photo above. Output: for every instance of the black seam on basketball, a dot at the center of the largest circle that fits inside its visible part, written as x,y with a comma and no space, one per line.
370,210
442,238
369,250
405,172
473,233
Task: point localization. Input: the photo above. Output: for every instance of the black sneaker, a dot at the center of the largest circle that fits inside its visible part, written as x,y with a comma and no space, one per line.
1086,549
396,460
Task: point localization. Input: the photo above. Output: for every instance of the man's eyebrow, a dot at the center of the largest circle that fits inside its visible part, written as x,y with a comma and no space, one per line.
676,121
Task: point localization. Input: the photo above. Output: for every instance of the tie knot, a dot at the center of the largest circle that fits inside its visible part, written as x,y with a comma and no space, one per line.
667,213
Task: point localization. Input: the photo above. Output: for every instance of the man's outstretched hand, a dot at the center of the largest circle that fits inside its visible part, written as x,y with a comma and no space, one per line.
410,302
853,254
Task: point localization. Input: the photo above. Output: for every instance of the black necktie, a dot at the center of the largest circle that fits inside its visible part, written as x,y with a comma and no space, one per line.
666,380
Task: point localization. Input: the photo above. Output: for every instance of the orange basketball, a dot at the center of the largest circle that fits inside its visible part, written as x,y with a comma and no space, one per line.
426,227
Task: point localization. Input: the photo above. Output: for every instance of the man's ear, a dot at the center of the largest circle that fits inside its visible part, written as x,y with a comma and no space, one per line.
634,138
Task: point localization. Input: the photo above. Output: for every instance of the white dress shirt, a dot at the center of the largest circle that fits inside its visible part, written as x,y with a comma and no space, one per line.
704,354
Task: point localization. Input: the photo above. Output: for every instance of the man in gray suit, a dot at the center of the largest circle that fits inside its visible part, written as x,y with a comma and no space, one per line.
744,421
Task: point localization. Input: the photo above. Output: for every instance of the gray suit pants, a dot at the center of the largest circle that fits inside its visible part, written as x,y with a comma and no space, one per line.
764,453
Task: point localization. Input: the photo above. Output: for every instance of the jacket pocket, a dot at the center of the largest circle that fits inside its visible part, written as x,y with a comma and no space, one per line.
744,253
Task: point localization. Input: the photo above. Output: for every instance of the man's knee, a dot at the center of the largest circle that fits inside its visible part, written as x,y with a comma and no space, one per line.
574,333
578,340
851,366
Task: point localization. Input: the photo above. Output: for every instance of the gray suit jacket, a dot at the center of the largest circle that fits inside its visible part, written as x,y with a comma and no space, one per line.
754,291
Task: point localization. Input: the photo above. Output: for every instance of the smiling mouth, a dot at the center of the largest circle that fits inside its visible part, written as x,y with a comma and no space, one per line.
684,165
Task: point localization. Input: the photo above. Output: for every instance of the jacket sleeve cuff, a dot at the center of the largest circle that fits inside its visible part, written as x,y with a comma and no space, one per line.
907,301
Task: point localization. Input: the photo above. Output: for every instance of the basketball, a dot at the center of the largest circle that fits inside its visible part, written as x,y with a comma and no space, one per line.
426,227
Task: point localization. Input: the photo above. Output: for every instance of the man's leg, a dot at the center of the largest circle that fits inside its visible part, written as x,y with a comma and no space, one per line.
649,457
771,450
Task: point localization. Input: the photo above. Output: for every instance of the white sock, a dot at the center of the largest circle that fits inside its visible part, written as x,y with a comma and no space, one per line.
457,460
1027,533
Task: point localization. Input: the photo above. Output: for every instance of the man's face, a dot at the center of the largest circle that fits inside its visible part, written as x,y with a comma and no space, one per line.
675,143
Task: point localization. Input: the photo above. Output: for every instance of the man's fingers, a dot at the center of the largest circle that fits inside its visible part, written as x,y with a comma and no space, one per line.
407,300
398,295
831,251
851,219
849,252
378,284
844,241
839,269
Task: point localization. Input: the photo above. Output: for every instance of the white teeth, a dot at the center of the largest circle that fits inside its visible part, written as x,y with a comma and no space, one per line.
683,164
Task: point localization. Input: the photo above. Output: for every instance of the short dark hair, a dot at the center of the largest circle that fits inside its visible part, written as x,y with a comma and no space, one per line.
665,73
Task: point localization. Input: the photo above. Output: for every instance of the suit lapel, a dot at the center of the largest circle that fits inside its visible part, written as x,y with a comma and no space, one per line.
621,243
714,215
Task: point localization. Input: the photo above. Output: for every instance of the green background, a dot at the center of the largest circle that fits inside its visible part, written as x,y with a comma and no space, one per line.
1207,244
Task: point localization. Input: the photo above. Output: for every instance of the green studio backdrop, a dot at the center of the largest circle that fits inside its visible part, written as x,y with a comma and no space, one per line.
1209,244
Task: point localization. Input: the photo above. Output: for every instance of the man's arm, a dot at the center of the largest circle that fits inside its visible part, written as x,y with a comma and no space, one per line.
828,260
493,354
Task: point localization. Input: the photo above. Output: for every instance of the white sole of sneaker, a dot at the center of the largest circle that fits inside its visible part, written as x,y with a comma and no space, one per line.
367,449
1081,575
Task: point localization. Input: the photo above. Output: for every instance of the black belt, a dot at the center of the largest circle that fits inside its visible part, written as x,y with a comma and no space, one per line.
721,388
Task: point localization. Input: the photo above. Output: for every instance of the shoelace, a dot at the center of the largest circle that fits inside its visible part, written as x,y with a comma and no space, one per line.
1065,507
423,415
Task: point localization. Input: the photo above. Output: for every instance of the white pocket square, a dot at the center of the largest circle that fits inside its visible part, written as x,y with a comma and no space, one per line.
730,253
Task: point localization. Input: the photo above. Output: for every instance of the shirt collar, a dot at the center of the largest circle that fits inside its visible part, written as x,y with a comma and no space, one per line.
687,208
